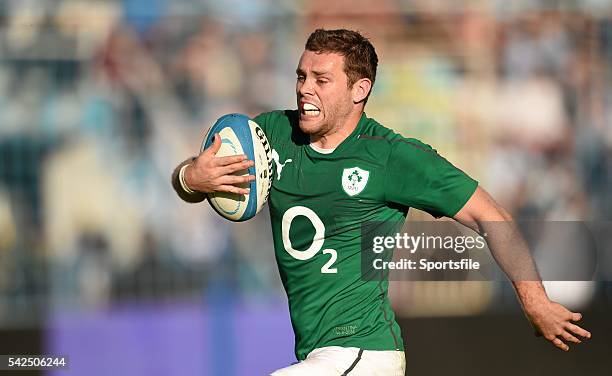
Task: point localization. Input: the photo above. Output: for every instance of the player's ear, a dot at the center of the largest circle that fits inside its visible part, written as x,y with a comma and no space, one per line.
361,89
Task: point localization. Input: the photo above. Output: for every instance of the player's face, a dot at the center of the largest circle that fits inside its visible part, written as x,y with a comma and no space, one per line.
323,97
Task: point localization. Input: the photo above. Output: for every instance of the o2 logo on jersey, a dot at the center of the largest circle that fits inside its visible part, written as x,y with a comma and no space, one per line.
317,241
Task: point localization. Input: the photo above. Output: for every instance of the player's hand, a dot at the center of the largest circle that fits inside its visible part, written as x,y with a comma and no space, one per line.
555,323
209,173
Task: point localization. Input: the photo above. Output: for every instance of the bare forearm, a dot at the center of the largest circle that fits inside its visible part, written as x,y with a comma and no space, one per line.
511,251
176,184
483,215
530,292
512,254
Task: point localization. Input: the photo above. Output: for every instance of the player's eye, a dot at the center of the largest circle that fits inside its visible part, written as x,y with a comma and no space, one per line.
322,81
301,78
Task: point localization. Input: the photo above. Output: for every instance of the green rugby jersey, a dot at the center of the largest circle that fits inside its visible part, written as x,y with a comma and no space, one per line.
317,204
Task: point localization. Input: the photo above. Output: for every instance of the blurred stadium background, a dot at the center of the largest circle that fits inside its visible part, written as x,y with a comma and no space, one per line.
99,100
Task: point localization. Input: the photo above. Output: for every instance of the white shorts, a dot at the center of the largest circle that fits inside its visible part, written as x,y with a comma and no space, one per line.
340,361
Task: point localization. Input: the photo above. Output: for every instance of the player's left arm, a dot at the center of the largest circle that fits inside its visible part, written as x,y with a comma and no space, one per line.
550,319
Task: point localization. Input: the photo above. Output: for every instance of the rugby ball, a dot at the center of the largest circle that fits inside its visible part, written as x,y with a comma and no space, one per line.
241,135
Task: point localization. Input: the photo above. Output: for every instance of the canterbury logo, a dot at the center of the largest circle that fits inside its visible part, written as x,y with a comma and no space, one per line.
279,165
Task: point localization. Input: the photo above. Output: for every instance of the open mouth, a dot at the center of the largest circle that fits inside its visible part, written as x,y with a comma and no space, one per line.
310,110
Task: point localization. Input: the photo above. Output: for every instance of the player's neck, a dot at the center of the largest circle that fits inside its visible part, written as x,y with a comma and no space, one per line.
335,136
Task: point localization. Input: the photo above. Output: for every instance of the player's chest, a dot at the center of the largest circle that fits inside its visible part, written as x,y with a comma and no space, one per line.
342,183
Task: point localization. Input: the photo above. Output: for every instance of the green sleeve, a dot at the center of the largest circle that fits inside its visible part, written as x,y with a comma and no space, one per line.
417,176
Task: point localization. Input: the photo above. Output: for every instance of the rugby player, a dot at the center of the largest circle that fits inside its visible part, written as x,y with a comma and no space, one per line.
335,169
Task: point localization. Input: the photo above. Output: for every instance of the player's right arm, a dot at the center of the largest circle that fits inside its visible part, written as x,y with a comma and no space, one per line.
207,173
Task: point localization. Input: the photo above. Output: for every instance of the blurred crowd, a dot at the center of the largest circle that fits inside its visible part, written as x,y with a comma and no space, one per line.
100,100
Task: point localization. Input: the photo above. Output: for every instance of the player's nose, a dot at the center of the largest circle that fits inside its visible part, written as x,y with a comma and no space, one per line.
305,88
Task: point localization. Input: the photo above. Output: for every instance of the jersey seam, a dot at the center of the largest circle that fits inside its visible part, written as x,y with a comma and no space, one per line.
413,144
389,322
429,150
